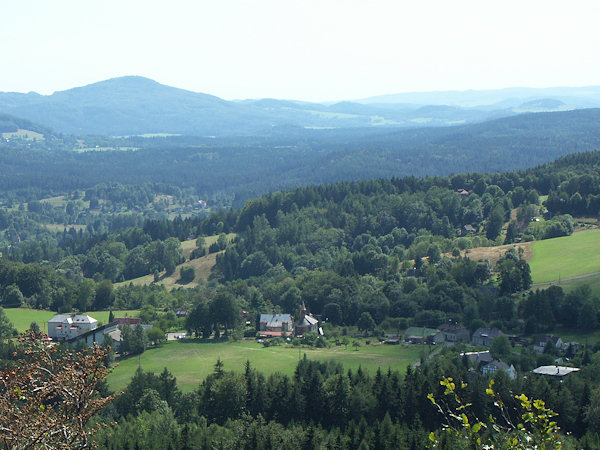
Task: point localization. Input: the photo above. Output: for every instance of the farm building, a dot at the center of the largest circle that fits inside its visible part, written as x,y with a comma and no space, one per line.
271,325
454,333
63,327
485,336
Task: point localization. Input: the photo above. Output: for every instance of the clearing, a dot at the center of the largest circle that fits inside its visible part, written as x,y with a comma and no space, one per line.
203,266
192,360
495,253
27,135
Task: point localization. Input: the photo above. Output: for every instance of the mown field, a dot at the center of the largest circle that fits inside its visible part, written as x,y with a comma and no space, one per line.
191,361
565,257
21,318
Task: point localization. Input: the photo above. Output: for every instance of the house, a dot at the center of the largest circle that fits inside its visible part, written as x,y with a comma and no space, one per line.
468,229
422,335
478,358
63,327
494,366
485,336
271,325
555,371
540,343
454,333
305,323
181,312
462,192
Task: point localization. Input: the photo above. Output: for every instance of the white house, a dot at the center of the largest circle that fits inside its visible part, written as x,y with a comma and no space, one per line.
63,327
496,365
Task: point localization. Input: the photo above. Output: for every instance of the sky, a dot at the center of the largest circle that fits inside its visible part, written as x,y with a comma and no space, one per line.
321,50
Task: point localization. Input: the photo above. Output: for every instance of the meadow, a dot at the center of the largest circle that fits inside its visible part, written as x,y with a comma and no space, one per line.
190,361
202,266
21,318
565,257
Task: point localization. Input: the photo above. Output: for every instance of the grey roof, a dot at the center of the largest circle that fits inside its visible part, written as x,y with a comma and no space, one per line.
501,365
104,329
555,371
452,328
275,320
72,318
115,335
306,321
487,332
477,357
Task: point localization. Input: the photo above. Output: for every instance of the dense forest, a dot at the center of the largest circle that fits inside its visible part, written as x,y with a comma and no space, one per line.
229,171
370,255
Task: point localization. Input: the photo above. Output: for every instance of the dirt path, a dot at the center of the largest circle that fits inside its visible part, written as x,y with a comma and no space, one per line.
577,277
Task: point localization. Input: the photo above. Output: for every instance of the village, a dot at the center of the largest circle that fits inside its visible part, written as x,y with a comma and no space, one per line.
486,347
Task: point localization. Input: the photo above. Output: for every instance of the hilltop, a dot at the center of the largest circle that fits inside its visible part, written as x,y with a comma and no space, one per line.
135,105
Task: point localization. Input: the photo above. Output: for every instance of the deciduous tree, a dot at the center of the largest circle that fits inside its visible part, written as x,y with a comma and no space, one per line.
48,395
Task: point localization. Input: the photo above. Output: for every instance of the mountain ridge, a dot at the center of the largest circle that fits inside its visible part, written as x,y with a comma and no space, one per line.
135,105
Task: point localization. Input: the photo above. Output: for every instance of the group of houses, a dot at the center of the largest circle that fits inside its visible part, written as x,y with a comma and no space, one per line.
482,361
74,328
280,325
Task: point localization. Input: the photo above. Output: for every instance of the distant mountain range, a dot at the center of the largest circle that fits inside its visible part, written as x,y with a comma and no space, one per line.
135,105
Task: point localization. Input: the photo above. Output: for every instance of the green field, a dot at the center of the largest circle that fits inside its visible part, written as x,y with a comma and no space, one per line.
190,362
21,318
565,257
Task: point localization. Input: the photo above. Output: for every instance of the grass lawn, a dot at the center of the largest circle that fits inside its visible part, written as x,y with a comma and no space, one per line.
191,361
21,318
565,257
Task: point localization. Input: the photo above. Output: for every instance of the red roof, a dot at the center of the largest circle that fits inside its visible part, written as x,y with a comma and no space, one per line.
128,320
271,333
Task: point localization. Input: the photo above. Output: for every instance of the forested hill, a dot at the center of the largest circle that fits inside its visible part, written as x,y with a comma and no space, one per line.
245,167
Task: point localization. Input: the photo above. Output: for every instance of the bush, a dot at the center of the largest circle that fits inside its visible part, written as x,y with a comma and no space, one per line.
187,274
198,253
250,332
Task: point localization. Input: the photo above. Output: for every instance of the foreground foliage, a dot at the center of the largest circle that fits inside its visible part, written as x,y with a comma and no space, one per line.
536,429
48,395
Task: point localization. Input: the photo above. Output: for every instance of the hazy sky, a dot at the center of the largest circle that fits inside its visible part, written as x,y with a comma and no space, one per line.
308,50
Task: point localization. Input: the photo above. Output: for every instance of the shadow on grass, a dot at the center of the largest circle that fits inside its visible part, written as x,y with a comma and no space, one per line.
199,340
